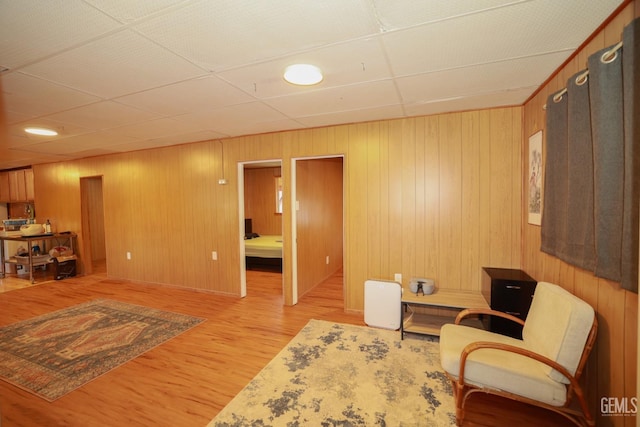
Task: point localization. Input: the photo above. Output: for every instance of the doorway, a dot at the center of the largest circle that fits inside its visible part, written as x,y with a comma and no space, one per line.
317,222
260,210
92,210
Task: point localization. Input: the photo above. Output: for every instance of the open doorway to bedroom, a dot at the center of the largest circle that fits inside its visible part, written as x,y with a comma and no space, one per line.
261,256
318,223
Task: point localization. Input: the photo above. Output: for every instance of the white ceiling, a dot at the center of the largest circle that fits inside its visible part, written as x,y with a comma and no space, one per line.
120,75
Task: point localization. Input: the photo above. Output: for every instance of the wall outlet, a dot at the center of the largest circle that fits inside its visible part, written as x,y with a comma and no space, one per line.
129,255
214,255
398,277
327,261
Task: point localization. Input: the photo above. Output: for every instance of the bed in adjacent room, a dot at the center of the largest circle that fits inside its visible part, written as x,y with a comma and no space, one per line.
264,247
264,252
261,252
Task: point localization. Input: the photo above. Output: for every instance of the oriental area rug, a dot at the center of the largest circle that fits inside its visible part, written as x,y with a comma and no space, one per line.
344,375
54,354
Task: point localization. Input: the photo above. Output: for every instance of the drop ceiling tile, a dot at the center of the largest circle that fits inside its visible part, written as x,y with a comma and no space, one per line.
232,119
31,97
116,65
344,98
64,129
74,144
102,115
93,153
353,116
204,93
90,141
266,126
476,102
44,146
127,11
219,34
342,64
31,29
417,12
11,117
14,140
494,35
153,129
166,141
493,77
182,138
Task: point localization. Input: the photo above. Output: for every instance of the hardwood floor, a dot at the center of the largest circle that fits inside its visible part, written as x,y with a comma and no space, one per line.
189,379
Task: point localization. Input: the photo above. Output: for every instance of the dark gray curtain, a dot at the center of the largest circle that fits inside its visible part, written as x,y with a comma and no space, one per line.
592,167
554,210
605,90
580,249
630,222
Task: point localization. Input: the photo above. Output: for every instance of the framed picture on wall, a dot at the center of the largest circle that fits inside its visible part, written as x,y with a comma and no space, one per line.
535,179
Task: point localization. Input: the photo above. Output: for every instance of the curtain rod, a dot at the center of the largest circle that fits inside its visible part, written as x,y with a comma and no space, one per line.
606,58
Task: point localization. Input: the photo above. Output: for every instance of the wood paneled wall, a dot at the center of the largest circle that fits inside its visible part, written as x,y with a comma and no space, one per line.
260,200
319,219
430,196
613,364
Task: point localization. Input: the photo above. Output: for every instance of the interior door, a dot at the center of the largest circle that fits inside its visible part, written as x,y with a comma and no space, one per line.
93,235
319,218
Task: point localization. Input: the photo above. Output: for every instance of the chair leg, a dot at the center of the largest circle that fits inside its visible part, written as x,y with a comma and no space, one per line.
454,387
460,398
586,414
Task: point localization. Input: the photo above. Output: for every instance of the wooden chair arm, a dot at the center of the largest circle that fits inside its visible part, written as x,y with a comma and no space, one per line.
478,345
476,311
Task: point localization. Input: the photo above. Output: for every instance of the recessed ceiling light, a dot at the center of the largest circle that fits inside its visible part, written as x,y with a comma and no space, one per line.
303,74
41,131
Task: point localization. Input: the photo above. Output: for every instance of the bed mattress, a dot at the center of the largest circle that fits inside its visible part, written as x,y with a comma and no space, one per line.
264,247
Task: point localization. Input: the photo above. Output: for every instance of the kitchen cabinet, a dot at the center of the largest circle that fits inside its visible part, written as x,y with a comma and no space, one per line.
4,187
510,291
28,182
17,186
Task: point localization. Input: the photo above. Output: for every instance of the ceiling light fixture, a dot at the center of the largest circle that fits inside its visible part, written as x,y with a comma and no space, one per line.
41,131
303,74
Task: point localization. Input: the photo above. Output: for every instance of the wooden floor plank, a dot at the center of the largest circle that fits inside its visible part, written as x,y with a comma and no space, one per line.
189,379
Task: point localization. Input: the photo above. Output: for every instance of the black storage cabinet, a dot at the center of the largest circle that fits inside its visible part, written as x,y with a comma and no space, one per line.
510,291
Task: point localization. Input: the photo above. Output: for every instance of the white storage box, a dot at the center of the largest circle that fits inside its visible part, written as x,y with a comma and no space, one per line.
382,304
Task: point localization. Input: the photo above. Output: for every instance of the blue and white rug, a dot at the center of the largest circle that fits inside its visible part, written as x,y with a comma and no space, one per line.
344,375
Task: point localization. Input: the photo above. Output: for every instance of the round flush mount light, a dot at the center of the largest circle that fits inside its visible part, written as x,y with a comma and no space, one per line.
303,74
41,131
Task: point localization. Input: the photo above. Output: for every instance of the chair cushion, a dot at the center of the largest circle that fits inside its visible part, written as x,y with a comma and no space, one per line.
557,327
498,369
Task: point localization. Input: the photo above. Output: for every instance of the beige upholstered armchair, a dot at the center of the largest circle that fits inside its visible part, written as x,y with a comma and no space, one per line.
542,369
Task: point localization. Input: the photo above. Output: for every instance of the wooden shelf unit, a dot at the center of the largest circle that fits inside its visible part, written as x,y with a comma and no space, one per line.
430,324
29,240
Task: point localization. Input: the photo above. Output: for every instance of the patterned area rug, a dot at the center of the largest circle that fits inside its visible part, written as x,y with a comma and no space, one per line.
53,354
342,375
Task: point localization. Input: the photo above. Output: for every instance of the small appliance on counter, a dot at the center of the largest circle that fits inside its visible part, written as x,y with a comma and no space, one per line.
424,286
31,229
11,227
